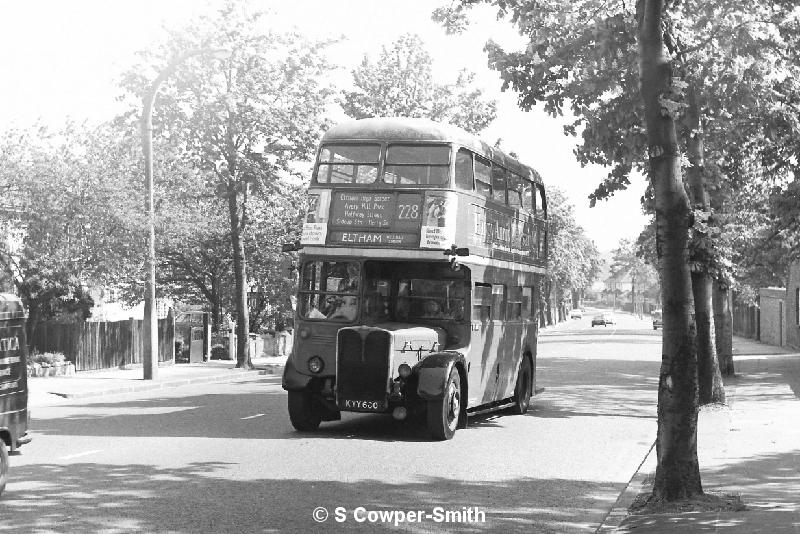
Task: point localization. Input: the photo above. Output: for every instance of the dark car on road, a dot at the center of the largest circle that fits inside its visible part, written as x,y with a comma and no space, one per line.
603,319
657,318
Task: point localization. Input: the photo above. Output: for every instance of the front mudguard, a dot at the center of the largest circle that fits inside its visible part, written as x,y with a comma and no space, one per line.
433,372
293,380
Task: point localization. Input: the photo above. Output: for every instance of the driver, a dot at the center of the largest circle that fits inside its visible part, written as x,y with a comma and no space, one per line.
346,309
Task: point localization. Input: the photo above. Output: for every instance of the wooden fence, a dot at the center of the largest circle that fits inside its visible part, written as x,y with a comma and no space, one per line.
103,345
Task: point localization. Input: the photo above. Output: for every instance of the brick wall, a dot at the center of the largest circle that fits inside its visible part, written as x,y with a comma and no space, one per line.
792,319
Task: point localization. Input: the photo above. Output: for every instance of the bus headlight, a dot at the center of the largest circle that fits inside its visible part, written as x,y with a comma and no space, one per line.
315,364
304,333
404,370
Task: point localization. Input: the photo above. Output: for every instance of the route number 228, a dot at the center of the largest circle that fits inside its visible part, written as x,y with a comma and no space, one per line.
408,211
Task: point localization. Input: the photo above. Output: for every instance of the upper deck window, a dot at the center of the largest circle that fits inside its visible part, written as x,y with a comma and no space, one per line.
464,170
483,176
348,164
417,165
516,187
541,203
499,183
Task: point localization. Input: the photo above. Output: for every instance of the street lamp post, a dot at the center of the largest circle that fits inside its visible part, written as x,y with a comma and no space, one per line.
150,330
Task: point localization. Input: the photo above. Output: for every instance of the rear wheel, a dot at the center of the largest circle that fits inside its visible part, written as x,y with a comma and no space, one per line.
524,388
302,411
3,465
444,413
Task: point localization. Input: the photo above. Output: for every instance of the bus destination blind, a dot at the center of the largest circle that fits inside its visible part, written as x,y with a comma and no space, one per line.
375,218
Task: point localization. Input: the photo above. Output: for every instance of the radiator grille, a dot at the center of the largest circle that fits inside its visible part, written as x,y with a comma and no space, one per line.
362,365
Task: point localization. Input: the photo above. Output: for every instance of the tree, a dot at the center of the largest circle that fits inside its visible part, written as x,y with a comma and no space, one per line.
573,258
78,221
242,122
627,259
401,83
625,76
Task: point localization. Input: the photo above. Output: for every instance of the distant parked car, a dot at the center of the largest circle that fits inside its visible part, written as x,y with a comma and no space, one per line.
603,319
656,314
575,314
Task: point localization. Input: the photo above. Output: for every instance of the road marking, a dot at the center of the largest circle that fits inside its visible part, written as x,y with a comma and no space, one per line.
78,455
253,416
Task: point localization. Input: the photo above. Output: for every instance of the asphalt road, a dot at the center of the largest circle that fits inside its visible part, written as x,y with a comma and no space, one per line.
224,458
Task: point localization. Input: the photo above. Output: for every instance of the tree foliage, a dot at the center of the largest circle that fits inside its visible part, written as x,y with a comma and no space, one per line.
242,122
77,216
573,258
401,82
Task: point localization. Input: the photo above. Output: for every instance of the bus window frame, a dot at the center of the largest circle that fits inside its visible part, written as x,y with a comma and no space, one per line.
320,293
318,163
485,188
386,164
457,184
499,183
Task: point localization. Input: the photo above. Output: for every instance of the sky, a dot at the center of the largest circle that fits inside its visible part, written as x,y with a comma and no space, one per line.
63,59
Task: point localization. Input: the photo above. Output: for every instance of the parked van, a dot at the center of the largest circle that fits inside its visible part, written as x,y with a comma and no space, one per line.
13,380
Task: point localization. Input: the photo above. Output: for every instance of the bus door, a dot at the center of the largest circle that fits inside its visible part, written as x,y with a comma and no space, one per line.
486,347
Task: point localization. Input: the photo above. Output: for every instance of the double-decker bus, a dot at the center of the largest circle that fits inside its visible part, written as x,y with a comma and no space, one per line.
420,261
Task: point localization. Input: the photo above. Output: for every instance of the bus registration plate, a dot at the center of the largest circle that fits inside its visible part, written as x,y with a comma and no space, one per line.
362,405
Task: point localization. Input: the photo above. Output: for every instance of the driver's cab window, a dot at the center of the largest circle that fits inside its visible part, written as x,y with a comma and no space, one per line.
421,299
329,290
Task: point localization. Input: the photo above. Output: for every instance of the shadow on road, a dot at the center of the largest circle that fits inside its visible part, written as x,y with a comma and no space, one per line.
89,497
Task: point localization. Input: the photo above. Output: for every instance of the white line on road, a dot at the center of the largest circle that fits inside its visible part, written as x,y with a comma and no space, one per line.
78,455
253,416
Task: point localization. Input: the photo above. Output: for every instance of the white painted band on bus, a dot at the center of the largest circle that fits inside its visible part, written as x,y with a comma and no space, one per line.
9,360
431,255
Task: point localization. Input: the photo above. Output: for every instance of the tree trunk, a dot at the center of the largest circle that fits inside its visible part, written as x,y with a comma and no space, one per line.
242,316
710,388
723,322
677,470
709,378
216,304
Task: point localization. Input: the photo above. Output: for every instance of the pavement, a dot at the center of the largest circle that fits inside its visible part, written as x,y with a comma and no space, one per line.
83,384
748,448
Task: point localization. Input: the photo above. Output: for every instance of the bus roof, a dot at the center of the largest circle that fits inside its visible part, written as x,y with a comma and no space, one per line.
398,129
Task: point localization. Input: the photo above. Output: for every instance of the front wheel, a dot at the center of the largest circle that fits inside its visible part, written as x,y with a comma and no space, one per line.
523,390
302,412
444,413
3,465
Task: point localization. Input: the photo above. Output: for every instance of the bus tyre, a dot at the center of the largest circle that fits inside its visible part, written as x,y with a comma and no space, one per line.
444,413
3,466
523,390
302,413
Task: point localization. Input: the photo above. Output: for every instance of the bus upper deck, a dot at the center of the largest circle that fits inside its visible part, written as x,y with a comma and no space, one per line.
409,184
